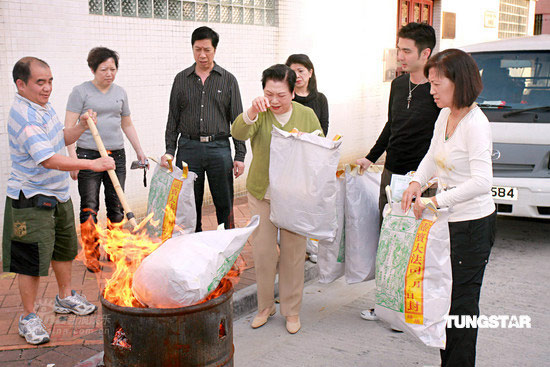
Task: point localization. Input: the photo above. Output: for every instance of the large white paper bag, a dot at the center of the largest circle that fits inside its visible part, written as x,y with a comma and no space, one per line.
330,258
185,269
413,274
362,223
302,183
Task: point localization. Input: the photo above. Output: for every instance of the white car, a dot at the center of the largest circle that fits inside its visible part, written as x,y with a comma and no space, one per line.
516,99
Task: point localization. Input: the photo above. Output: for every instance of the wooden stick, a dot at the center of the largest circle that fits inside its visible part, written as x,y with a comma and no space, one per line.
112,175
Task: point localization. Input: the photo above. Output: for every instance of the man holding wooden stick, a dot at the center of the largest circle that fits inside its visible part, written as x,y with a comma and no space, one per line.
39,217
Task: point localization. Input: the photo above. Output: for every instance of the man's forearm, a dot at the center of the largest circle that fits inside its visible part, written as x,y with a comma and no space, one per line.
71,134
64,163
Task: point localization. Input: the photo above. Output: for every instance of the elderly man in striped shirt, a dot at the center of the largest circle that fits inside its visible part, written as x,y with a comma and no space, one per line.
204,102
39,227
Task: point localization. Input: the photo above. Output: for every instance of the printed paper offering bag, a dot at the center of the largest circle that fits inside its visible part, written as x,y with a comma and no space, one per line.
413,274
187,268
302,183
172,200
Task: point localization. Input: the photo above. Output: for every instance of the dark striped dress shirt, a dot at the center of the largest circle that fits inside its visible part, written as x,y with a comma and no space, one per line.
202,110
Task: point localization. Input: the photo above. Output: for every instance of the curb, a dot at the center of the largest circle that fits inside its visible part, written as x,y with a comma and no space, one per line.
245,300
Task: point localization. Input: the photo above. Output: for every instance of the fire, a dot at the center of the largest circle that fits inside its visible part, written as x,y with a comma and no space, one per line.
127,248
90,246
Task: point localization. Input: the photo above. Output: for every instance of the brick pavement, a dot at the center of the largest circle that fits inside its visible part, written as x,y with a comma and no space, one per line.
74,339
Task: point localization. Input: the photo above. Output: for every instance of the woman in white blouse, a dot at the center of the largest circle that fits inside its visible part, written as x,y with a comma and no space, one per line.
460,156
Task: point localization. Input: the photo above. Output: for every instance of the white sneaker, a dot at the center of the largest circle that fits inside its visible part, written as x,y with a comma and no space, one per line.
75,303
33,329
369,315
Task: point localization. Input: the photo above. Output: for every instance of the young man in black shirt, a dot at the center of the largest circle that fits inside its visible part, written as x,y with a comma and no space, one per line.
412,113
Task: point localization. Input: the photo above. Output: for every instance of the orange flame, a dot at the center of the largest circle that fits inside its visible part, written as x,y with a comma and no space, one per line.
127,249
90,245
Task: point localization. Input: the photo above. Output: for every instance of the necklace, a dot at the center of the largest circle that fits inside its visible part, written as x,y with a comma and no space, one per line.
410,96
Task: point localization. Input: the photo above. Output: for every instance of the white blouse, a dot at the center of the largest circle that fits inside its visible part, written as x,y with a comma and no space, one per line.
463,166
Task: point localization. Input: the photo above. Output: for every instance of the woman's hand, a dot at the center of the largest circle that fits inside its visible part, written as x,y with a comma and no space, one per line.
420,205
259,104
418,208
142,158
74,174
413,191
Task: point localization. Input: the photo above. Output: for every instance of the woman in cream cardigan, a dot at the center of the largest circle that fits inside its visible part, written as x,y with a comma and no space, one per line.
274,108
460,156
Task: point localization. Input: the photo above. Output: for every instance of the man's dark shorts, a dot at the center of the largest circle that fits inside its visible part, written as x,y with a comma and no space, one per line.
35,234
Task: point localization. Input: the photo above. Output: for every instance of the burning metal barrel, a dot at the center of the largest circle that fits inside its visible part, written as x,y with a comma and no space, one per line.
198,335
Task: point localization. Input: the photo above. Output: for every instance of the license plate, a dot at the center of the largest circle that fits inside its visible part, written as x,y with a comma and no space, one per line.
504,193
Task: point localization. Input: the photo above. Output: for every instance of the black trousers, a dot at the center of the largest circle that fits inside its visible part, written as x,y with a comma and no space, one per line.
212,159
471,243
89,185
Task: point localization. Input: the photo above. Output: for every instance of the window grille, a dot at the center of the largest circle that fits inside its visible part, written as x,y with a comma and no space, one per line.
253,12
513,18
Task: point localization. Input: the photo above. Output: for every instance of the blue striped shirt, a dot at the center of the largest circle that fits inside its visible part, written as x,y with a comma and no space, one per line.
35,134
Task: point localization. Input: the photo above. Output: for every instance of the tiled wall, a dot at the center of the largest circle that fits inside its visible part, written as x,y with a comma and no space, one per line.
152,52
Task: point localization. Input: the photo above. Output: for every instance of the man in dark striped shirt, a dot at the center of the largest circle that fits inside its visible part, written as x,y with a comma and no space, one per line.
204,101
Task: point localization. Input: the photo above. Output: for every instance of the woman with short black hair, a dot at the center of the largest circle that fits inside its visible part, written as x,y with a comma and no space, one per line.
110,102
460,156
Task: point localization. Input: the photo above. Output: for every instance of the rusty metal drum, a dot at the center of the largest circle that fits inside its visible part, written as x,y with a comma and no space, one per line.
198,335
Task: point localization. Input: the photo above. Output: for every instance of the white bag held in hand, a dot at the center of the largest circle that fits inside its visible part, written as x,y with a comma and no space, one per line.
172,200
362,224
413,274
302,183
185,269
330,258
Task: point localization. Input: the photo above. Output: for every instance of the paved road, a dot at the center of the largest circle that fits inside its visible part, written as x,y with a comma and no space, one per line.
333,334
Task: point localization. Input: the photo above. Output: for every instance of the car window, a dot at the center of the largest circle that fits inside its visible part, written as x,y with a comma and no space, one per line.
517,80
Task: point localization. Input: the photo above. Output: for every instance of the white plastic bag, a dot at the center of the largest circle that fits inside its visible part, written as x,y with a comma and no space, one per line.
172,200
302,183
413,274
330,258
362,224
185,269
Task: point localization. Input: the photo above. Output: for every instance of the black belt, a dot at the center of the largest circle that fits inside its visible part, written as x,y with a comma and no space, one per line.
206,138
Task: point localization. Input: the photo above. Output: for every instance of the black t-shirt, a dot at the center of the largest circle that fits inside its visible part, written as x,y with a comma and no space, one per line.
319,104
408,132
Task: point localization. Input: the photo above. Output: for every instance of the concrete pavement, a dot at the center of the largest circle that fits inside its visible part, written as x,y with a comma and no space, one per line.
333,334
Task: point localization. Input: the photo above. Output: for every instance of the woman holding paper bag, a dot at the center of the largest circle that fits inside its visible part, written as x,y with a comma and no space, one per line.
274,108
460,156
